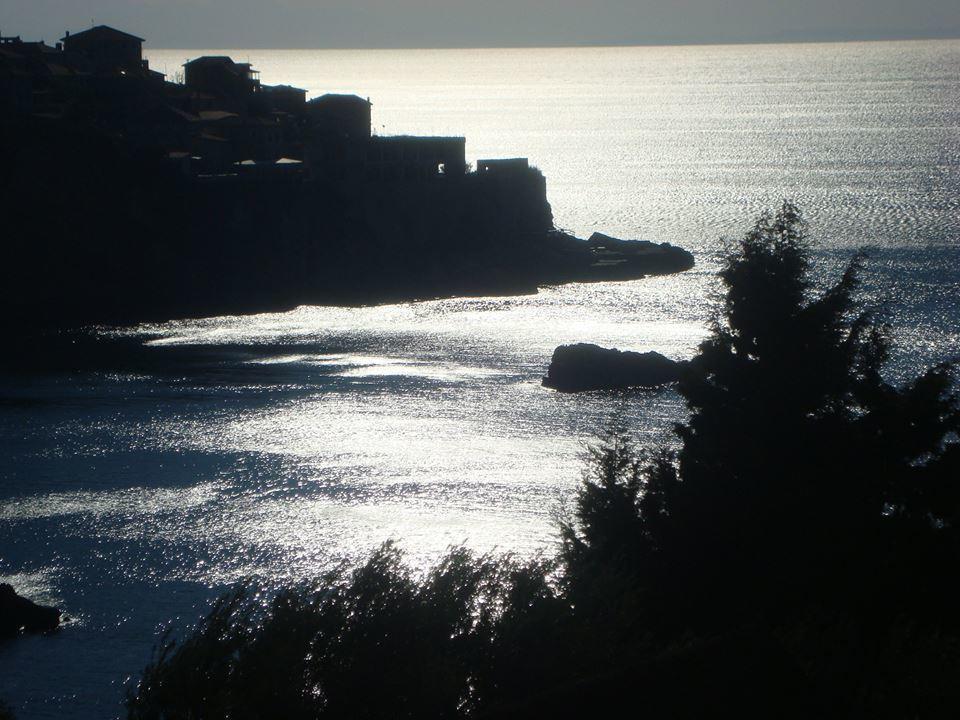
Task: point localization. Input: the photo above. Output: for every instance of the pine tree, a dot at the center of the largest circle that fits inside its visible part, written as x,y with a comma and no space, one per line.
799,459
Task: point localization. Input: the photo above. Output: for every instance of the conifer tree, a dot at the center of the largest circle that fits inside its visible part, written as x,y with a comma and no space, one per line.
799,457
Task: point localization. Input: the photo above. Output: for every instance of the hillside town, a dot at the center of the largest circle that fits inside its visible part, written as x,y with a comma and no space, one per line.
149,199
221,120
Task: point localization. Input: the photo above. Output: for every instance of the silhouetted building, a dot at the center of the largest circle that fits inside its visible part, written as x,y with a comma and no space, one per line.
408,157
110,51
238,137
503,166
222,77
36,77
340,116
16,79
281,169
220,117
284,98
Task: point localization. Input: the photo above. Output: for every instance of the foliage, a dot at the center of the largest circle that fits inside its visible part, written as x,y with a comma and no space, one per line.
797,448
376,643
795,557
811,500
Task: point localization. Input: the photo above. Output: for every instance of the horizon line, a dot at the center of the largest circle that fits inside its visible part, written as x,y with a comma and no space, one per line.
572,46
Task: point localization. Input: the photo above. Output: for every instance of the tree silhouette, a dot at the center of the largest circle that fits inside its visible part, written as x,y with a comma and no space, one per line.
811,499
797,449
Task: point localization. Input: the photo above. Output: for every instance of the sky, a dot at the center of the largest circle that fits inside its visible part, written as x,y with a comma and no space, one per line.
481,23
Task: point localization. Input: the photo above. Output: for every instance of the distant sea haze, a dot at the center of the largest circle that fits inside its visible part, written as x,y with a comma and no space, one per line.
276,445
517,23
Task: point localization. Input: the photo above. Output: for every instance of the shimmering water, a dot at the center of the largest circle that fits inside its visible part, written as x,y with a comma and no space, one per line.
277,445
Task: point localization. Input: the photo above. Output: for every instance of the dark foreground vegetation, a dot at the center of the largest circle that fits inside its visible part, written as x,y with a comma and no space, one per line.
796,557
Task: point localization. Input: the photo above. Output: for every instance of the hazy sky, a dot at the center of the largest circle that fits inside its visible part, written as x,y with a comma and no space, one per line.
482,23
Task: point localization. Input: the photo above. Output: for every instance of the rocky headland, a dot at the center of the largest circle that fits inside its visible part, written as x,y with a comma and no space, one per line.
113,237
18,614
130,198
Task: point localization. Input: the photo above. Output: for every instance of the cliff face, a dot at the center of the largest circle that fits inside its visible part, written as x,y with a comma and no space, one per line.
95,234
367,242
267,245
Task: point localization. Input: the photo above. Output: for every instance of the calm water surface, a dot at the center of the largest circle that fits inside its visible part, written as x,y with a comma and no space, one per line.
277,445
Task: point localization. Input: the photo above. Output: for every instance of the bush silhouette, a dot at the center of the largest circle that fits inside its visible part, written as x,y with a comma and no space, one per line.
795,557
810,499
374,643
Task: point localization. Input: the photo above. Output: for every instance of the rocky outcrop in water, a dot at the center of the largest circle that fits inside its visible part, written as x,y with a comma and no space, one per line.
582,367
615,259
17,614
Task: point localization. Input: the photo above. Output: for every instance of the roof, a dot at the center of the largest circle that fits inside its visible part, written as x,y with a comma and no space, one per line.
211,60
38,47
59,70
418,138
27,49
334,98
216,115
227,63
282,162
101,30
282,88
179,114
504,161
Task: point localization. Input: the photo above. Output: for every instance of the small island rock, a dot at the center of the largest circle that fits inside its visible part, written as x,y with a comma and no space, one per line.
19,614
582,367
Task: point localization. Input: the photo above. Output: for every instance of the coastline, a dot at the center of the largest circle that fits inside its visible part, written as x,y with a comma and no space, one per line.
48,416
134,240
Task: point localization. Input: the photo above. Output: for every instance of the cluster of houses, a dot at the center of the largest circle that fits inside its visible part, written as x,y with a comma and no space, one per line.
220,120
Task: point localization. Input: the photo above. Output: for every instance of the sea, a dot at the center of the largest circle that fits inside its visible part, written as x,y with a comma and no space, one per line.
279,446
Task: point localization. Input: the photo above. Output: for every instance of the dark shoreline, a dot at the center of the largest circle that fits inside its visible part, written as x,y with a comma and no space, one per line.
116,237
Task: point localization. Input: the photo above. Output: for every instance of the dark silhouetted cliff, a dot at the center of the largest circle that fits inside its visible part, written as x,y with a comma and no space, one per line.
98,230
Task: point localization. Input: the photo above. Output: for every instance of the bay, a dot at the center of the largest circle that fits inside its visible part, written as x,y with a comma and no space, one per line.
276,446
